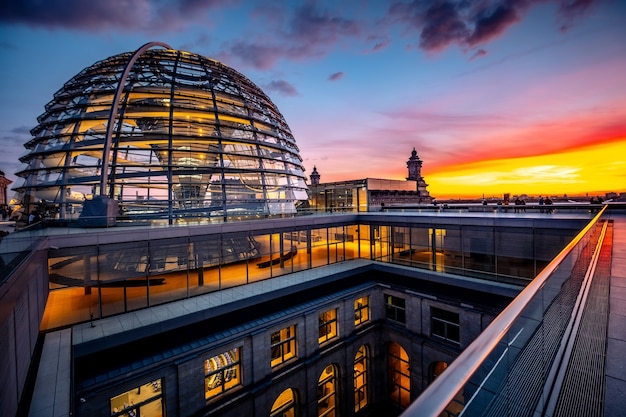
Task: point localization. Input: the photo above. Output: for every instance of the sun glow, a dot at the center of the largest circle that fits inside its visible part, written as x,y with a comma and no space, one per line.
591,169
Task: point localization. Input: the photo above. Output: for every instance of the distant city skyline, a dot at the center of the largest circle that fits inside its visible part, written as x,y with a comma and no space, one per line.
496,97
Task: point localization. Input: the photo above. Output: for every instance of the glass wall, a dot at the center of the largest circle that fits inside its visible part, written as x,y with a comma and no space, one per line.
98,281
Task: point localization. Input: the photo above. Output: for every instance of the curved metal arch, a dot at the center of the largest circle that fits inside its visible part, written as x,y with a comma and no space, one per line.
114,108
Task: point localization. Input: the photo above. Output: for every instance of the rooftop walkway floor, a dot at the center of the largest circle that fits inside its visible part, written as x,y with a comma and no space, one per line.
616,343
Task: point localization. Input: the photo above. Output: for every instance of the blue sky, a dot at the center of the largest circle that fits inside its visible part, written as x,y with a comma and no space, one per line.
488,91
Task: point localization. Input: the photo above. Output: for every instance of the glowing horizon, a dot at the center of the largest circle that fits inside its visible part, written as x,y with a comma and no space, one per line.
576,172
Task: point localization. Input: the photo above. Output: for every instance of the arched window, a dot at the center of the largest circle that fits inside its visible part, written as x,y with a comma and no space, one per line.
326,392
360,379
399,375
285,405
435,369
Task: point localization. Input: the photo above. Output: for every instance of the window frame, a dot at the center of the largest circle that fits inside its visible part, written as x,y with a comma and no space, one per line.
233,366
133,409
395,374
327,401
361,398
393,311
285,345
446,324
361,310
328,328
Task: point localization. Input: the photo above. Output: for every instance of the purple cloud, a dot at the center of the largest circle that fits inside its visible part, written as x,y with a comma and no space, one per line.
122,15
469,23
443,25
478,54
281,87
492,23
335,76
21,130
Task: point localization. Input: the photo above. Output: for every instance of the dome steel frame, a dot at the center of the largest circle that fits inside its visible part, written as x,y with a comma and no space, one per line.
169,135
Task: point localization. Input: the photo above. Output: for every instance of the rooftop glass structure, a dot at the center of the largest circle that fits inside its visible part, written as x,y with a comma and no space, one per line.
167,134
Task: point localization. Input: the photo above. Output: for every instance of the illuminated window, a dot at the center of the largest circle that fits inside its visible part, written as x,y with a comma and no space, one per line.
285,405
399,375
395,308
283,345
361,310
222,372
326,388
360,379
435,369
145,400
327,325
445,325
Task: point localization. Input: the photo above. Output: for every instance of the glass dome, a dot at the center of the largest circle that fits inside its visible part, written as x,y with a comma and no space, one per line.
166,134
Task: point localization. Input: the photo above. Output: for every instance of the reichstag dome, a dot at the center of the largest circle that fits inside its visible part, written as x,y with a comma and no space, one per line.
164,135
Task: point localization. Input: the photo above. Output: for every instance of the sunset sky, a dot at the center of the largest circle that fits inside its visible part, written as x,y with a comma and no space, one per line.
496,96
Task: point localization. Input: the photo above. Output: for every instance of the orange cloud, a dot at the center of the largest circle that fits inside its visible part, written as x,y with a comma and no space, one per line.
590,169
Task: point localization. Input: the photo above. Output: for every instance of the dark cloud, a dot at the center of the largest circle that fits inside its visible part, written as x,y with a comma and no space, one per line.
301,32
478,54
335,76
492,23
142,15
470,23
281,87
20,130
262,55
312,25
443,26
570,10
305,32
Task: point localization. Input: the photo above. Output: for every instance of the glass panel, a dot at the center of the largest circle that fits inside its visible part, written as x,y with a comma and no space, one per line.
319,247
451,249
297,240
514,250
235,250
168,270
204,264
478,249
73,295
259,265
365,243
351,244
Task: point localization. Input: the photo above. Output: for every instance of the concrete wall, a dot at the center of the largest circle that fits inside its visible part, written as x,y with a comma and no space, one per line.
22,302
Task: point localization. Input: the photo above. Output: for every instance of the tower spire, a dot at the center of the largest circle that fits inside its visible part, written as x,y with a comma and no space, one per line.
315,176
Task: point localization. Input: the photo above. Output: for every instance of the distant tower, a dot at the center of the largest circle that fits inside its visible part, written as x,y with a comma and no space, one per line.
315,176
414,164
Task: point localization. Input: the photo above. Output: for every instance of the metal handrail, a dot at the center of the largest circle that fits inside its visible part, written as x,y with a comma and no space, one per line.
436,397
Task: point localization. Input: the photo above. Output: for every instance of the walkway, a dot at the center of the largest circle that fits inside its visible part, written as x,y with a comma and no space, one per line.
616,346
